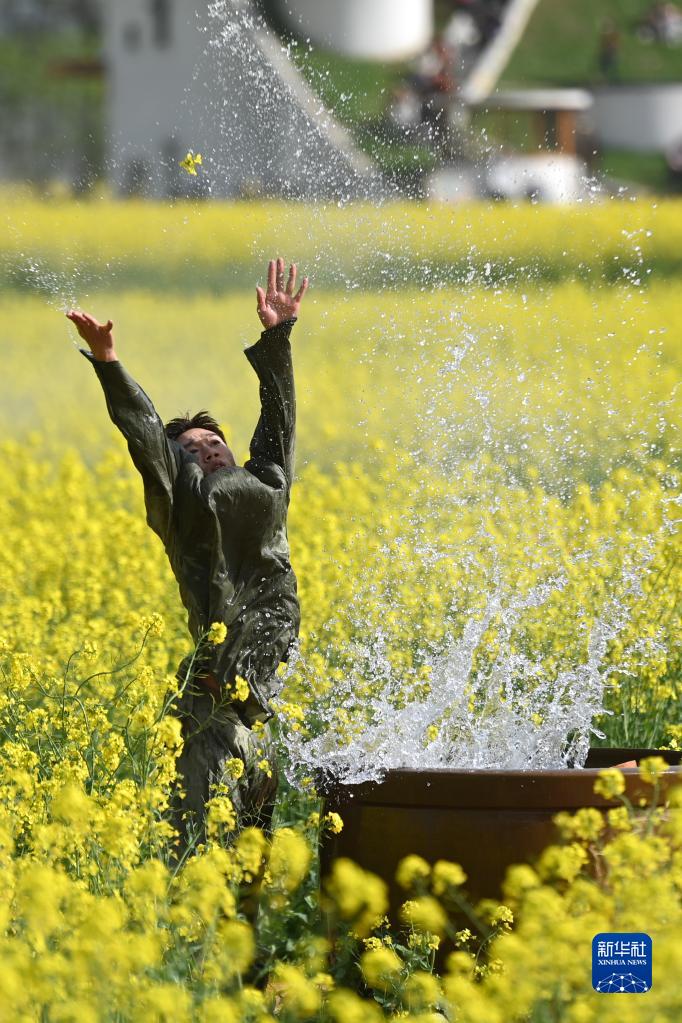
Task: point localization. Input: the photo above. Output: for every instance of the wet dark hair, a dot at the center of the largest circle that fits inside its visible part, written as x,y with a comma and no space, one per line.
201,421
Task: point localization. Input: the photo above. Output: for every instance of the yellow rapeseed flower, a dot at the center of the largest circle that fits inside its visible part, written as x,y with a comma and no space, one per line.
234,768
425,914
191,162
412,872
290,857
217,633
333,823
381,968
610,783
446,876
562,862
651,769
347,1007
240,690
359,897
298,995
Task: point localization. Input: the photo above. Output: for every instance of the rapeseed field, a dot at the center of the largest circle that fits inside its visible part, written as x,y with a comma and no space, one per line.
488,402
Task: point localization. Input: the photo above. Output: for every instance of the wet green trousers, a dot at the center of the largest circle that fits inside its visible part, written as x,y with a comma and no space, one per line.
214,734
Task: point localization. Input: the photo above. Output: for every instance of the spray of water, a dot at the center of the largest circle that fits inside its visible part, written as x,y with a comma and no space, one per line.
513,715
274,135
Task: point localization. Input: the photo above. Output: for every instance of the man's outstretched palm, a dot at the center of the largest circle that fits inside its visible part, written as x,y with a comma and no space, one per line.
97,336
279,302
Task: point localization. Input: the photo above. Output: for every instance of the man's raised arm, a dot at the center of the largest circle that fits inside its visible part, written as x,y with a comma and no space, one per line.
155,457
274,439
275,435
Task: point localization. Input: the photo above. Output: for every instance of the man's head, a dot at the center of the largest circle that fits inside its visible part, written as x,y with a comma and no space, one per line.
201,436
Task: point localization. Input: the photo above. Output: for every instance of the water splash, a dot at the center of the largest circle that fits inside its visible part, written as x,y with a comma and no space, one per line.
275,136
57,286
511,716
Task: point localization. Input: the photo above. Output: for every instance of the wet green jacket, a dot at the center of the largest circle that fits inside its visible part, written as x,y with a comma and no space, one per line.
225,533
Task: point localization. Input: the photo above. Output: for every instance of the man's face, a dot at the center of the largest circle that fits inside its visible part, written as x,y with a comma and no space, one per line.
209,449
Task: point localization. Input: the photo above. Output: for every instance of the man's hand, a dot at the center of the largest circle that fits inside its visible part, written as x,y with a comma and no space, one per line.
278,303
97,336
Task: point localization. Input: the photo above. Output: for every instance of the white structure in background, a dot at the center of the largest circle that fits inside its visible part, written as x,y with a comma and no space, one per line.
485,73
644,117
181,78
554,178
370,29
553,173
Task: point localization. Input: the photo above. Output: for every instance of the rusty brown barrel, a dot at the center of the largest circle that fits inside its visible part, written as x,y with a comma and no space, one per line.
483,820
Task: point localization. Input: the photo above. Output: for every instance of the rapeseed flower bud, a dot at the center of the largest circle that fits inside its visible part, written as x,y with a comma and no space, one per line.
610,783
149,880
298,995
381,968
169,732
651,769
586,824
460,963
347,1007
425,914
72,806
191,162
252,1001
290,857
502,917
413,872
218,1009
164,1003
619,819
142,718
220,817
422,990
152,624
372,942
562,862
234,768
232,952
217,633
333,822
422,941
359,897
240,690
634,857
446,876
250,850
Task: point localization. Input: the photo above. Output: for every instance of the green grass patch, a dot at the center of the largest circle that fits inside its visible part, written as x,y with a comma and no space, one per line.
561,44
357,91
30,66
648,169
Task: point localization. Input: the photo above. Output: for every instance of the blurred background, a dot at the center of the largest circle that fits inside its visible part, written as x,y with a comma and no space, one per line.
449,99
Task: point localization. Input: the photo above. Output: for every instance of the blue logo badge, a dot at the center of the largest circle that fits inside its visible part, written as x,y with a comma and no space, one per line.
621,963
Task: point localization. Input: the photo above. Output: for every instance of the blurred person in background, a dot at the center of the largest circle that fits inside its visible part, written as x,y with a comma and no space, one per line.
608,57
224,530
662,23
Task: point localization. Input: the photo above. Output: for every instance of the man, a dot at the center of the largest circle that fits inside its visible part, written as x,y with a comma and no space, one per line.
224,530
